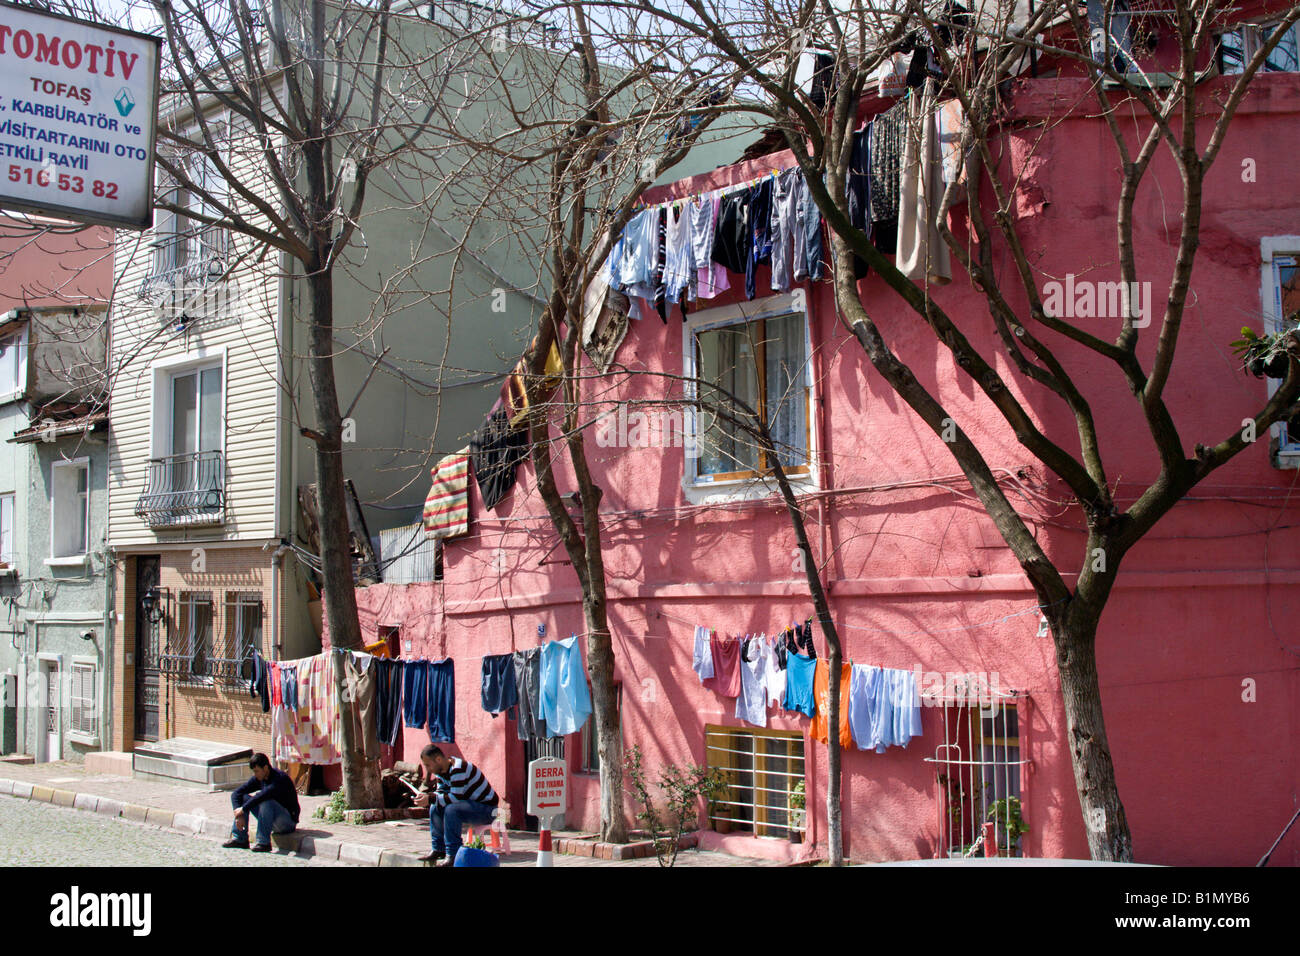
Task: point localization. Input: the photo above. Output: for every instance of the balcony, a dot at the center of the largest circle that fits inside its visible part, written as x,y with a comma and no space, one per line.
184,491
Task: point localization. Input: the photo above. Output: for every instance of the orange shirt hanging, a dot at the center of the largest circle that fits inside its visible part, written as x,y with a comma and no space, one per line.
822,693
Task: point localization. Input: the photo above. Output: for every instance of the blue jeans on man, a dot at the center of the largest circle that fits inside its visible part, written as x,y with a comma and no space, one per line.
271,818
445,823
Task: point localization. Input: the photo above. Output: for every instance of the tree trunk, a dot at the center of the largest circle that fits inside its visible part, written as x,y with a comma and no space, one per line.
609,737
361,786
1094,773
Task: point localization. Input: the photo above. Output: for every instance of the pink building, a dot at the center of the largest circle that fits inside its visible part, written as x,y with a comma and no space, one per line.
1200,666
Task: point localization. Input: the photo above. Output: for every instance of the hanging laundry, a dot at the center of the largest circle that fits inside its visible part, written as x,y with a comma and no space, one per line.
864,687
415,693
517,400
289,688
660,296
259,686
528,682
497,450
678,254
822,691
887,133
360,683
274,685
566,701
799,674
726,667
313,734
500,693
635,269
774,671
710,277
922,253
884,707
858,188
731,239
751,705
785,224
388,699
446,509
442,700
702,656
891,75
906,707
814,246
760,233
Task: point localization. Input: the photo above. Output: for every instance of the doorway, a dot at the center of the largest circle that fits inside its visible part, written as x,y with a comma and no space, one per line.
147,649
49,734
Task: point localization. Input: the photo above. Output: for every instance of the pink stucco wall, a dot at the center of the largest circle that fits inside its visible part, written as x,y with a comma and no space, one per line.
919,576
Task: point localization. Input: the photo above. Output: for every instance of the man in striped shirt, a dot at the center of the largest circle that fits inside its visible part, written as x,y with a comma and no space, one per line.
461,796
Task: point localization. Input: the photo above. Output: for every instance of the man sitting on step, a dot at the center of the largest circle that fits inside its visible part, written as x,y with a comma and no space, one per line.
269,795
462,796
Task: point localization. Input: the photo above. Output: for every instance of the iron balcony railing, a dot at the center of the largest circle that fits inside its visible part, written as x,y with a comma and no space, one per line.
184,490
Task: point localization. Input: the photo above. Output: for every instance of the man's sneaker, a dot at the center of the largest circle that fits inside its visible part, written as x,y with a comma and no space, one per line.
262,848
445,863
432,857
235,845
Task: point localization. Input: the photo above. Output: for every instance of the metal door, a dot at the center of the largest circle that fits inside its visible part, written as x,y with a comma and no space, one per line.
147,651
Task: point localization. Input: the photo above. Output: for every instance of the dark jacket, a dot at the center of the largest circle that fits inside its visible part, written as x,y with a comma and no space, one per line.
278,787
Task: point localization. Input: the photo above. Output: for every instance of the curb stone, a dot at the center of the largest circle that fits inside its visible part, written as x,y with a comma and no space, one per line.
110,808
85,801
359,853
22,790
6,786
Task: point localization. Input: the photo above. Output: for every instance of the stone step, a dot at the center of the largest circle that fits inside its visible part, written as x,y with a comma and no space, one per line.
198,763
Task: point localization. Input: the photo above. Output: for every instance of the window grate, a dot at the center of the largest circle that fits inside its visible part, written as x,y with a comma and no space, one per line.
978,777
760,770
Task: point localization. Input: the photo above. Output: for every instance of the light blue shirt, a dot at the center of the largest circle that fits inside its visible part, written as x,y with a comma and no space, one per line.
566,701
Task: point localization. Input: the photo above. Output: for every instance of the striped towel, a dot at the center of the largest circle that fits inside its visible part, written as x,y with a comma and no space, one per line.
446,510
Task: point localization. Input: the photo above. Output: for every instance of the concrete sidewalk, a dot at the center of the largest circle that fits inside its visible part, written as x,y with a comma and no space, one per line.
206,814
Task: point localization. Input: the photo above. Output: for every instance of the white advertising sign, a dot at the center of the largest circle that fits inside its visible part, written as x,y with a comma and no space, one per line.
547,787
78,111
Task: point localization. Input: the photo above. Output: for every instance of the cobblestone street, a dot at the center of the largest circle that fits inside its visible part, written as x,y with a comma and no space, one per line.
38,834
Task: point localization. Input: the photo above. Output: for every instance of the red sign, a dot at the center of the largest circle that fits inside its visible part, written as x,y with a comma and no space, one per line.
548,786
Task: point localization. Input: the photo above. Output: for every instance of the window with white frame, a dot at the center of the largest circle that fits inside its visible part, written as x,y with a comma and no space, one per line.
1239,45
13,378
194,428
1280,295
748,366
85,700
69,508
8,554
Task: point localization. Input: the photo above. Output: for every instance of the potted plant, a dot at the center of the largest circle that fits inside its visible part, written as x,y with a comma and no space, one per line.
1261,355
1010,824
797,804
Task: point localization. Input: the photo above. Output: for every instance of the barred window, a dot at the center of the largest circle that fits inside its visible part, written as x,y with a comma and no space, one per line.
195,632
85,703
761,769
244,617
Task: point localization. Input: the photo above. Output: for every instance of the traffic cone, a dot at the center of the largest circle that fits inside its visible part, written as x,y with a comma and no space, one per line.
494,839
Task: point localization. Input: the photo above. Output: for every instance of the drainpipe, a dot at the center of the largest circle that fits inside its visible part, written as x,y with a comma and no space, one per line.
106,708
